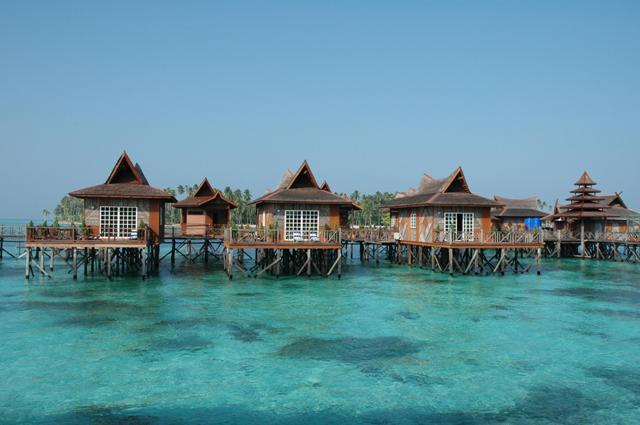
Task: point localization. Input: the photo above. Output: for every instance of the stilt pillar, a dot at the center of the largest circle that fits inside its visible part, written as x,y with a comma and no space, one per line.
75,263
109,262
27,262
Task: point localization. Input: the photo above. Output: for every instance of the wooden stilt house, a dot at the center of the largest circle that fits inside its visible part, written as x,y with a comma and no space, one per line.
302,210
443,223
123,226
206,212
439,208
298,230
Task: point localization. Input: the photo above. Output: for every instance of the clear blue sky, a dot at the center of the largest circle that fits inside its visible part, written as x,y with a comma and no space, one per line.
523,95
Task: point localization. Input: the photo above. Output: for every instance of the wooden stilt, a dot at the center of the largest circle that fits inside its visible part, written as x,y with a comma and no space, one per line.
75,263
108,262
27,263
173,252
143,255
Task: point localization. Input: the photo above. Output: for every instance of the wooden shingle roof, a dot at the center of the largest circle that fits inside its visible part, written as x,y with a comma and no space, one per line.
302,187
449,191
126,180
518,208
205,195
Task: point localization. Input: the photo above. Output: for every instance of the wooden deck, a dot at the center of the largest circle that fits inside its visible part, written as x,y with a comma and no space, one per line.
476,245
277,239
86,243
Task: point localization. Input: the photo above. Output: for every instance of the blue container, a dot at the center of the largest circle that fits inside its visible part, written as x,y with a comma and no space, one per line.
532,223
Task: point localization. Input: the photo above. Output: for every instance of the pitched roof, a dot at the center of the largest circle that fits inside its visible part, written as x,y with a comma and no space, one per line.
126,180
613,200
325,186
203,195
449,191
514,208
614,212
585,180
302,187
303,178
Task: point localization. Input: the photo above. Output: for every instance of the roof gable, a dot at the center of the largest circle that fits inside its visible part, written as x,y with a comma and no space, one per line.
585,180
325,186
617,200
205,189
303,178
125,172
457,182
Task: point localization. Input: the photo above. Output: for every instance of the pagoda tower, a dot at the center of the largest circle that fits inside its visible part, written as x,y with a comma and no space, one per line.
584,205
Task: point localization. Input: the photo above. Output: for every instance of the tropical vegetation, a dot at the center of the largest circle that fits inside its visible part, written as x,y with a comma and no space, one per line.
69,209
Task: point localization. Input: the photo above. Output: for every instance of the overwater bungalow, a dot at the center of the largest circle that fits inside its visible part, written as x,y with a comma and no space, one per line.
519,214
123,223
295,221
442,219
303,211
206,213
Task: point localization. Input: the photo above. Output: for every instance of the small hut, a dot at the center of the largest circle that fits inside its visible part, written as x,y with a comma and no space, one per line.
518,214
440,205
206,212
302,208
125,202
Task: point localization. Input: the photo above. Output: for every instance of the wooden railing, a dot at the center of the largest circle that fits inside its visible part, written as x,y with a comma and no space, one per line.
566,235
369,234
73,233
11,230
513,237
203,230
267,236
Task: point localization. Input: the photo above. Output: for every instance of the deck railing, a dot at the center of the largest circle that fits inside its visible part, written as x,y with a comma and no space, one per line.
567,235
73,233
203,230
513,237
11,230
369,234
269,236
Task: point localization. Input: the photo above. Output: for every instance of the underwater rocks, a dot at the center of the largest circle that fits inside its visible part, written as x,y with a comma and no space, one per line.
350,349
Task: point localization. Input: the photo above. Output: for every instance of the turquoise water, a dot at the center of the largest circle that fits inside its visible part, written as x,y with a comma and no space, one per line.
383,345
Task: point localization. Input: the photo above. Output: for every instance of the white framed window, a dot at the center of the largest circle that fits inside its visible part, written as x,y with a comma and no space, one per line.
413,220
118,222
459,222
301,224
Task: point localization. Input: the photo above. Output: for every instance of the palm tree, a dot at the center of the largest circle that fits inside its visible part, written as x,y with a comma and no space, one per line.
46,213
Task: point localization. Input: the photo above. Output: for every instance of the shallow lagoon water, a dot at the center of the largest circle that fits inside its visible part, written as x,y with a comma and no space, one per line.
384,345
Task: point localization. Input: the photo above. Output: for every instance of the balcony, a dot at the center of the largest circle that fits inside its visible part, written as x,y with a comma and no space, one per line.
269,237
